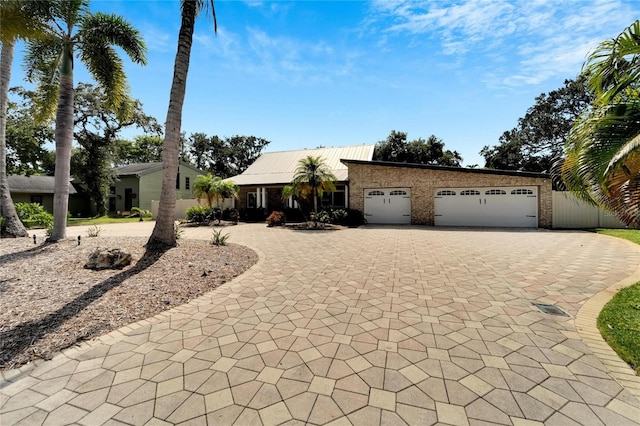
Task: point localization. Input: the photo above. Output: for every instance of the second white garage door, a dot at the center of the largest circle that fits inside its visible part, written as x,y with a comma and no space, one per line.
496,206
387,205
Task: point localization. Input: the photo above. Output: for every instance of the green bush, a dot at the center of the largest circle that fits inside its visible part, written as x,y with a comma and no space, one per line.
276,218
201,214
33,214
345,217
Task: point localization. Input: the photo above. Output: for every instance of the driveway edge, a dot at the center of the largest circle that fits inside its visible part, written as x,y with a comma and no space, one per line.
586,325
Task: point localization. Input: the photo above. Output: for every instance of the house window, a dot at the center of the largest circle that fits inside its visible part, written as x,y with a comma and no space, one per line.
521,192
178,181
112,190
495,192
398,192
37,199
251,200
446,192
469,192
375,193
334,199
187,183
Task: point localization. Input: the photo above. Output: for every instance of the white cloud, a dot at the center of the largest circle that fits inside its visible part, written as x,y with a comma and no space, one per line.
542,39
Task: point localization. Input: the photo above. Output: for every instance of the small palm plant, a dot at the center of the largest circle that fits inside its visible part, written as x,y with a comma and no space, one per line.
219,239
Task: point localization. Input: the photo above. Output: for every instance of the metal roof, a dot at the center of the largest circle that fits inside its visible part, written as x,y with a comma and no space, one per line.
34,184
138,168
279,167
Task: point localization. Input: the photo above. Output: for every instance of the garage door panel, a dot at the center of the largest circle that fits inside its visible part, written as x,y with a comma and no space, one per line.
496,206
387,205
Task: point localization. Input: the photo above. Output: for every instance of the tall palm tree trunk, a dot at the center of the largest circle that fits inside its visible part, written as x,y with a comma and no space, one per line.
13,227
163,235
64,140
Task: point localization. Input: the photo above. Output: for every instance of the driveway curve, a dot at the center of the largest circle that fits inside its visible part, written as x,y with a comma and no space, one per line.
374,325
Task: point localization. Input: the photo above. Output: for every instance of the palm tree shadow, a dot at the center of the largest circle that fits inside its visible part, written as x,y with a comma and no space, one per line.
14,341
20,255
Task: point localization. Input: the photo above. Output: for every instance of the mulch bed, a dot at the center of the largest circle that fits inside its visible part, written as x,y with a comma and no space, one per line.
51,302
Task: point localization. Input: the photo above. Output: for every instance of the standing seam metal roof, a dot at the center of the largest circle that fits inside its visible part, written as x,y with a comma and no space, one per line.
279,167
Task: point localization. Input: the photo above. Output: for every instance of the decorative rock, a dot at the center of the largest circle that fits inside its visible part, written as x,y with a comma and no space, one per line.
108,259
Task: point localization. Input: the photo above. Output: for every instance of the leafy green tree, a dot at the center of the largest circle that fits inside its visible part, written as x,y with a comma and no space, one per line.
75,31
224,157
163,235
310,180
396,149
18,20
602,163
96,130
143,149
26,138
538,139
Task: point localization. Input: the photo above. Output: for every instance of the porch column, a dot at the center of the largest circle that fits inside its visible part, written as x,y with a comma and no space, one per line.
346,196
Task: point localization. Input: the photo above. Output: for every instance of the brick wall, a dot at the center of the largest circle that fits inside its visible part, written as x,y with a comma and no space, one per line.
424,181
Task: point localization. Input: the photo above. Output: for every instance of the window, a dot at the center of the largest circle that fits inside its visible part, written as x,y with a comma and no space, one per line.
375,193
252,198
445,193
521,192
398,192
187,183
36,199
495,192
178,181
112,190
469,192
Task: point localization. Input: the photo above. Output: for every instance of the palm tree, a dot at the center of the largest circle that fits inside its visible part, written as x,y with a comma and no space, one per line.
311,179
19,20
203,188
163,235
75,31
602,163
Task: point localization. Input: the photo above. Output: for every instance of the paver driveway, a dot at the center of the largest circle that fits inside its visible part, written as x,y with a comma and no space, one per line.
361,326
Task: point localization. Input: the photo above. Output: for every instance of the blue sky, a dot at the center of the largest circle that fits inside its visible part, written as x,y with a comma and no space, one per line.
335,73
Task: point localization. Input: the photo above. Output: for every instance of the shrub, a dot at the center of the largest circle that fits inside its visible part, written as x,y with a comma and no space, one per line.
201,214
276,218
33,214
219,239
94,231
141,213
346,217
177,230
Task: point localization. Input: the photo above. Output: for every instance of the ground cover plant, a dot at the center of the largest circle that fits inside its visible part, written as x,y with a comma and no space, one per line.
619,320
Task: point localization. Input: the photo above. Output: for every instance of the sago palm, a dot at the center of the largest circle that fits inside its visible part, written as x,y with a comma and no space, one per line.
602,163
163,235
19,20
73,32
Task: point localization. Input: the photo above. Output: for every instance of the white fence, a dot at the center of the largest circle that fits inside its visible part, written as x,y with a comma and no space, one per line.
571,213
183,205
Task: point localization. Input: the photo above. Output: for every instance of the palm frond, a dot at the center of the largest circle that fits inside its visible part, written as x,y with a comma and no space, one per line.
614,65
98,33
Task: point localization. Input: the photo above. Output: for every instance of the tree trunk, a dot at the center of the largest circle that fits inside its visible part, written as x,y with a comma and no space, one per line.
12,226
163,235
64,140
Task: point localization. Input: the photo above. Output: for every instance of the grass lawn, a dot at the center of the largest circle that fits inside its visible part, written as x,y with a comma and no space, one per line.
101,220
619,320
632,235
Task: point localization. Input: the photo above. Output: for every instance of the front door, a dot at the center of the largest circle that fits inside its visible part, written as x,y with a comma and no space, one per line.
128,199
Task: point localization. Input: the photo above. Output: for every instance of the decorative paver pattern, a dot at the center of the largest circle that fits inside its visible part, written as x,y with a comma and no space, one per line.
375,325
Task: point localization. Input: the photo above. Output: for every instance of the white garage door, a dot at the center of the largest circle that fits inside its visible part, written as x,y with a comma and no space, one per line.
497,206
387,205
